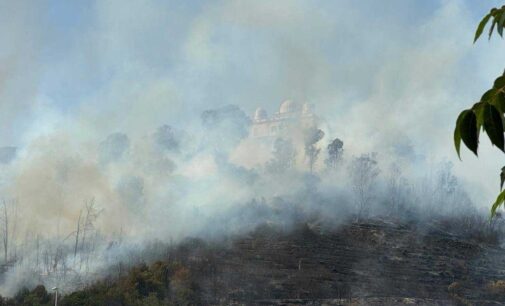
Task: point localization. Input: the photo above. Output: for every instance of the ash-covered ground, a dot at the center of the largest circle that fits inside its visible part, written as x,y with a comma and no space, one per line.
372,262
366,261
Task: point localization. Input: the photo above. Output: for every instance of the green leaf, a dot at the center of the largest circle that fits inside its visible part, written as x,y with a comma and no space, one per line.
488,95
493,125
457,135
502,177
492,28
497,203
478,109
481,27
499,82
499,102
499,25
468,130
501,22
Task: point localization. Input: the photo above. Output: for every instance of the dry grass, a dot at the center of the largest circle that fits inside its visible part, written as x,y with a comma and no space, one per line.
496,287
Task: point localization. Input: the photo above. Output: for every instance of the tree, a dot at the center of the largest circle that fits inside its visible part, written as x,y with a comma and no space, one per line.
225,127
85,230
394,186
113,147
5,230
77,233
487,113
168,138
88,228
312,137
447,183
284,155
335,153
364,170
8,220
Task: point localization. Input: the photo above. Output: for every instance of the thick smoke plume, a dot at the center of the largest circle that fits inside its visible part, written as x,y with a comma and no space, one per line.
72,210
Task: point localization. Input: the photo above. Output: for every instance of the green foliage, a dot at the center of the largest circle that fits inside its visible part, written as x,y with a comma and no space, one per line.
502,177
481,26
498,16
157,284
284,156
497,203
335,152
37,297
466,130
493,125
312,136
488,113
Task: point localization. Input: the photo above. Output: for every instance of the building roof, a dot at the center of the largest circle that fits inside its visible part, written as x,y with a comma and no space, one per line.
287,106
260,114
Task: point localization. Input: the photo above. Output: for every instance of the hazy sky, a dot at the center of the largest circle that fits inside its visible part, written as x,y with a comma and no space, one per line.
382,73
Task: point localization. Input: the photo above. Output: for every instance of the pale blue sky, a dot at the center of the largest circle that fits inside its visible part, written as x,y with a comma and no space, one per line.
66,31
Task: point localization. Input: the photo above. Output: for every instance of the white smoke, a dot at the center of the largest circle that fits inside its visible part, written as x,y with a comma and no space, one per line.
103,101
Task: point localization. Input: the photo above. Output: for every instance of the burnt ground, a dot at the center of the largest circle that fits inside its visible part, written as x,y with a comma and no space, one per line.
372,263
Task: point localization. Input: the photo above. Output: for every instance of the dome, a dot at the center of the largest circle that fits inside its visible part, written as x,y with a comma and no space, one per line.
307,108
287,107
260,114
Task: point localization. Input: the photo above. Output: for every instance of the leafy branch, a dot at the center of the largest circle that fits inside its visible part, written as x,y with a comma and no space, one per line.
486,115
498,22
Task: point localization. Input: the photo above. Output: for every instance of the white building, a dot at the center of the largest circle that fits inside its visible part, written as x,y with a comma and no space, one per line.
290,117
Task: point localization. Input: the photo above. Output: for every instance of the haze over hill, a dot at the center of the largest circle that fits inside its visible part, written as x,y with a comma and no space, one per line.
125,124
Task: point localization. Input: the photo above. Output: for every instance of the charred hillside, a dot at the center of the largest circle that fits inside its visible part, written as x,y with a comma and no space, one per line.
369,262
372,259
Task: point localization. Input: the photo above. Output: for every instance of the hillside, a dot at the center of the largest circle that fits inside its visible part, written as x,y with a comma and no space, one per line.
375,262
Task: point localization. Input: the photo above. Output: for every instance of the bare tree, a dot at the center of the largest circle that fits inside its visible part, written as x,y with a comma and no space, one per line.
5,230
37,245
77,232
364,170
395,177
8,226
85,230
88,229
14,227
446,182
46,261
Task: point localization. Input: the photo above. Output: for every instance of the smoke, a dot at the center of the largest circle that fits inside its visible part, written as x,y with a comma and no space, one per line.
74,214
7,154
143,110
